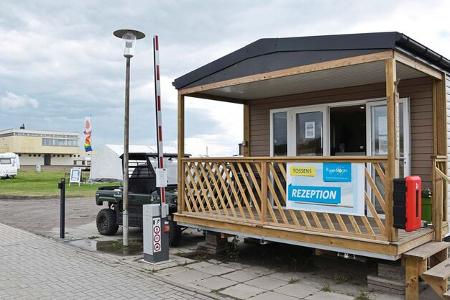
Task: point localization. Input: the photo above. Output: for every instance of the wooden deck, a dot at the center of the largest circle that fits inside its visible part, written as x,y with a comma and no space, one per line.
247,196
309,238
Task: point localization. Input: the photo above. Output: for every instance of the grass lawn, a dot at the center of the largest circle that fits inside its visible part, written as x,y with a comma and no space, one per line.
31,183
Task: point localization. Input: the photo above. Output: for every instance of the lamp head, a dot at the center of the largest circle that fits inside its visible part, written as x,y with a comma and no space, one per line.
129,36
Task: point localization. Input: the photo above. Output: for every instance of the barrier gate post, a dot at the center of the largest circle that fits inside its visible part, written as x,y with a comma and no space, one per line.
156,223
156,241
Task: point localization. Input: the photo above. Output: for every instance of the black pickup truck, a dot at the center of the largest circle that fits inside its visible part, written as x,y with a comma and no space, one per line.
141,190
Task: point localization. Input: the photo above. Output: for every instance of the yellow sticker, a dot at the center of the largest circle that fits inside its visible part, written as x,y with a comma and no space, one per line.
302,171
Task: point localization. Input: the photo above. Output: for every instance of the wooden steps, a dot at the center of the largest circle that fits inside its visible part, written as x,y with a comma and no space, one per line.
430,262
440,271
437,276
427,250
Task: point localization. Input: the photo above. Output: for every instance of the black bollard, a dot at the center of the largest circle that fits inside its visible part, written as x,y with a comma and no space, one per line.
62,207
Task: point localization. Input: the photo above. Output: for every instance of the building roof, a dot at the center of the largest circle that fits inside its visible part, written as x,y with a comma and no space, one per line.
11,131
271,54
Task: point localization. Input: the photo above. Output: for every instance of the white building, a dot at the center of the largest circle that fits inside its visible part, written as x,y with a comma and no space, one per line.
42,147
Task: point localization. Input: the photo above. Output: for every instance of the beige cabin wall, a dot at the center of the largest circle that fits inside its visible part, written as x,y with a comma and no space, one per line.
418,90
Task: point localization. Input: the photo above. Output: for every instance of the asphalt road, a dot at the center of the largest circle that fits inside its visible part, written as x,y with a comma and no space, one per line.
41,216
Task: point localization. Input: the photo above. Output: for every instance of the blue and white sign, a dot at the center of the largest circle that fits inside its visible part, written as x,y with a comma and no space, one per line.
337,172
332,187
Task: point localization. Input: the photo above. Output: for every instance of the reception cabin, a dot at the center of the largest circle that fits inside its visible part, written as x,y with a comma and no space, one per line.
332,127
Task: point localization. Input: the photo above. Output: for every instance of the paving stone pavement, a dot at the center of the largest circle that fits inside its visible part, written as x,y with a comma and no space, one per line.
34,267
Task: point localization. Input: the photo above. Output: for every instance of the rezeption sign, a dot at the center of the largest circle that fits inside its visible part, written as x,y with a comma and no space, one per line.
332,187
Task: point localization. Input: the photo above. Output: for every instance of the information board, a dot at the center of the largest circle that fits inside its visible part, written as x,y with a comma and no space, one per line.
332,187
75,176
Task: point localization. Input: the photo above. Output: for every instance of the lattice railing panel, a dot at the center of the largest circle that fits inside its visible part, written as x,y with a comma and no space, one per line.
254,191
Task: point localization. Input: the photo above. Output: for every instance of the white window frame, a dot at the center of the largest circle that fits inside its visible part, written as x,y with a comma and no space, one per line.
406,128
325,108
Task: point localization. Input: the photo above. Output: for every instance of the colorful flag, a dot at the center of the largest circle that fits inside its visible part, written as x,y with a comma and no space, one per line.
87,134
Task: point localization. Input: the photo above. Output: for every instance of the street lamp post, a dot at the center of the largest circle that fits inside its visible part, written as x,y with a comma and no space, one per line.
130,37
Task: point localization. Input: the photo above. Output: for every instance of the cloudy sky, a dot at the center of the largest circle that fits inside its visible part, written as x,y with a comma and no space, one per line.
59,61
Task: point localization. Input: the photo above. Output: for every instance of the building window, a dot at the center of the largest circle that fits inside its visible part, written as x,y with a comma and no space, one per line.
279,134
60,142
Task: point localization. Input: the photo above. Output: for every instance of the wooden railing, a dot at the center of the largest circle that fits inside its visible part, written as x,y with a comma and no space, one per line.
439,195
252,191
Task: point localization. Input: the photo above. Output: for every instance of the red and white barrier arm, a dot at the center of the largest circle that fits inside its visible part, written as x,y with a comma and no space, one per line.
159,133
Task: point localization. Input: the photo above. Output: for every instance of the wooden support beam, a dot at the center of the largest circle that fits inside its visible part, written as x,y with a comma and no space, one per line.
442,139
439,118
392,170
417,65
181,178
217,98
414,267
439,205
343,62
246,141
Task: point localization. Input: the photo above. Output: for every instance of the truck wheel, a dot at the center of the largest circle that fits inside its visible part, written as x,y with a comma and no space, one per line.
174,234
107,222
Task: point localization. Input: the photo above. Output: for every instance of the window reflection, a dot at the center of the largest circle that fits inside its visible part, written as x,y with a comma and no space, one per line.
280,134
309,133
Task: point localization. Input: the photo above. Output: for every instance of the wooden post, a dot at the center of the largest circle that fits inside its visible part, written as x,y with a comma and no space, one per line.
181,205
442,144
414,266
392,164
246,141
264,198
439,194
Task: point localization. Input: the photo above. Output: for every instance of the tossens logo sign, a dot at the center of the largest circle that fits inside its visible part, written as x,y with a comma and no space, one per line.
302,171
334,187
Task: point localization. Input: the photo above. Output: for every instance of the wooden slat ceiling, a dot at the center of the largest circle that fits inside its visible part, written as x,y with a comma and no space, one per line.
320,80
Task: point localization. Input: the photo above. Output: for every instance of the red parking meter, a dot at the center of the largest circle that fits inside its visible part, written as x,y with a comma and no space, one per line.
408,203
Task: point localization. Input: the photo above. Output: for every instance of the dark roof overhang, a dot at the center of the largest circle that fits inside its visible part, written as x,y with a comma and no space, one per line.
273,54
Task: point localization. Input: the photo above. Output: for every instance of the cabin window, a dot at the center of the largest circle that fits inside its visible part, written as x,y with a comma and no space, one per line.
279,146
339,129
348,130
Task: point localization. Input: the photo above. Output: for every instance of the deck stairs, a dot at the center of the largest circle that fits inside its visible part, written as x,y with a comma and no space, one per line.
431,263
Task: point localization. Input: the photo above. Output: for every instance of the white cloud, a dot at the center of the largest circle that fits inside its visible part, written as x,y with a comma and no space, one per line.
13,101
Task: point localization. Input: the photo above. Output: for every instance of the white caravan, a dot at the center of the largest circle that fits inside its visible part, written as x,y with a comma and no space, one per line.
9,164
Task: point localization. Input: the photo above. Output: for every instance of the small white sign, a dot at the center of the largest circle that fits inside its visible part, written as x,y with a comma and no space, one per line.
161,177
310,130
75,176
